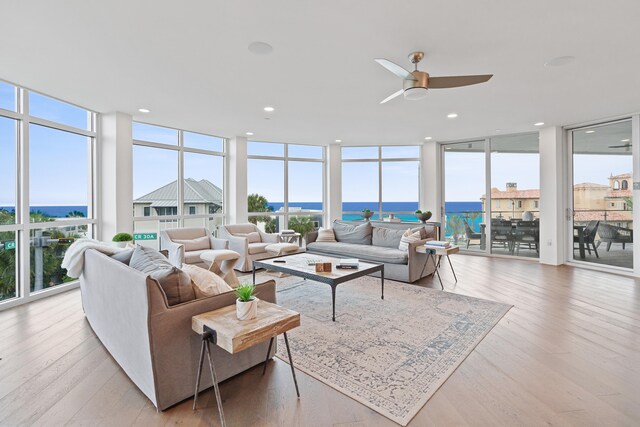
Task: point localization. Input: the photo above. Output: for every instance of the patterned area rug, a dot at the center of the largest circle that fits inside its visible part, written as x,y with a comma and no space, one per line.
390,355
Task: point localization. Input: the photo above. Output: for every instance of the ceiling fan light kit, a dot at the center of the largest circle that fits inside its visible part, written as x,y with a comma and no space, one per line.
416,83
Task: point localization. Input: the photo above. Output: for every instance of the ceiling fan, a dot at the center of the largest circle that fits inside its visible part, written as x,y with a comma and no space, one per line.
625,146
415,83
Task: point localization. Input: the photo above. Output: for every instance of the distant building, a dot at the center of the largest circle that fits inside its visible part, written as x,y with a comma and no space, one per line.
200,198
590,201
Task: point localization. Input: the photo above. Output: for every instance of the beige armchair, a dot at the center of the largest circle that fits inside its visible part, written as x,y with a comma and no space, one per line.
253,244
185,245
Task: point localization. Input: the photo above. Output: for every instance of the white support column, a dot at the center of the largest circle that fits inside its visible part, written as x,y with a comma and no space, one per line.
635,144
237,181
334,183
431,180
115,180
552,189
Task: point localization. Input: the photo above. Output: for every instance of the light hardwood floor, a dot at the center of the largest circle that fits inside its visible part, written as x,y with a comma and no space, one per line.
568,353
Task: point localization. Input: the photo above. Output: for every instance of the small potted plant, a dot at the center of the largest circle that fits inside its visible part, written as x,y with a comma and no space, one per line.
366,214
121,239
246,302
423,216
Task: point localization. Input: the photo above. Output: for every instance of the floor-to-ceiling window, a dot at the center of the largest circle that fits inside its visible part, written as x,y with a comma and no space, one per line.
178,181
492,195
384,180
602,194
46,196
285,185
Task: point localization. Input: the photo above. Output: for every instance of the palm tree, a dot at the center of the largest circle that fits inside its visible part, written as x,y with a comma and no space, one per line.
258,203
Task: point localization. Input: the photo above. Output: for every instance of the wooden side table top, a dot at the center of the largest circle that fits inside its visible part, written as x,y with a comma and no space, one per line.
439,250
235,335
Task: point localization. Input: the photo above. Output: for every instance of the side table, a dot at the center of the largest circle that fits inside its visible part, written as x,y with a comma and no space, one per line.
439,251
290,238
222,262
221,327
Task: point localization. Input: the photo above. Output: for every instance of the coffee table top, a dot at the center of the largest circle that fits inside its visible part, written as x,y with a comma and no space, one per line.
235,335
298,265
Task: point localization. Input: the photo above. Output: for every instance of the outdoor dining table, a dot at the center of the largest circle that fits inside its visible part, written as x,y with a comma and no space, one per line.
580,229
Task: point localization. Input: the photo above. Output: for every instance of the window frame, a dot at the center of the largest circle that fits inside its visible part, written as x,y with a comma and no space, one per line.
380,160
23,227
286,159
181,211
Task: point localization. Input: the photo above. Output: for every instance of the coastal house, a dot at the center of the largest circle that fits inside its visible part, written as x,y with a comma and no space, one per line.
200,198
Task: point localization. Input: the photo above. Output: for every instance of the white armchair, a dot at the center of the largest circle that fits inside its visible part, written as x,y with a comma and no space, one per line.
185,245
253,244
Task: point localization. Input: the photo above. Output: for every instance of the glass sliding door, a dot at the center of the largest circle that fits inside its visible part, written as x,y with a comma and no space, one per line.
602,190
464,191
515,195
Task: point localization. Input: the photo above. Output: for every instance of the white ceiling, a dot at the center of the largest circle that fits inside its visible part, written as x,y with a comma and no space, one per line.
188,63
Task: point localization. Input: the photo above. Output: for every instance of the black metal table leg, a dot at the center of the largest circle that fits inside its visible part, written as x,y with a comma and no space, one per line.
333,303
267,359
216,387
452,270
382,282
254,274
293,372
195,397
433,258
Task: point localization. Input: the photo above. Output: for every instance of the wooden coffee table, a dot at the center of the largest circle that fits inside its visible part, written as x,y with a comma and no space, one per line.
297,265
221,327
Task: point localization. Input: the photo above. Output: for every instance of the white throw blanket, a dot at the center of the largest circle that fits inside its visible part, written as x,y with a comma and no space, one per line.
74,257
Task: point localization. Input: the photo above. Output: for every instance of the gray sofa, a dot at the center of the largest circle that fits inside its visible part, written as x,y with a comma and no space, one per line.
151,341
379,245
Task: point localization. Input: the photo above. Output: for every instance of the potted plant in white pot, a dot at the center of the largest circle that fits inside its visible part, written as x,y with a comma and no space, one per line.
366,214
246,302
122,239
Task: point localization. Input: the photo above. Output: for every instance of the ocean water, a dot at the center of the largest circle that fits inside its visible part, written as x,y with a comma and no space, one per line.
52,211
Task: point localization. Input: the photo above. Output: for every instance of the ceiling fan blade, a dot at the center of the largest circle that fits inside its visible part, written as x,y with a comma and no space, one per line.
393,95
395,69
456,81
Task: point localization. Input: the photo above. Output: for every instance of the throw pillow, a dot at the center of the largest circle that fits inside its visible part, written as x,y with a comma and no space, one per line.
253,237
197,244
175,283
123,256
358,234
422,230
407,238
207,283
326,235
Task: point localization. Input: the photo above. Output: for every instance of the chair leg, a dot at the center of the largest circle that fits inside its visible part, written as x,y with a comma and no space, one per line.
623,243
608,246
468,242
595,250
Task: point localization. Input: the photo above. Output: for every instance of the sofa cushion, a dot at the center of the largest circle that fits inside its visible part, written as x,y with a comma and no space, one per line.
207,283
196,244
257,248
123,256
175,283
364,252
386,237
358,234
408,237
326,235
282,248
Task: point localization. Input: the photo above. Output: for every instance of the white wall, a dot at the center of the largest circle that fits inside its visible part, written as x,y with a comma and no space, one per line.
552,194
115,175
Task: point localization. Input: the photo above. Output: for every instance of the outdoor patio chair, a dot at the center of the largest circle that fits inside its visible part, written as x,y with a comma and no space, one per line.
527,233
471,235
589,236
502,234
614,234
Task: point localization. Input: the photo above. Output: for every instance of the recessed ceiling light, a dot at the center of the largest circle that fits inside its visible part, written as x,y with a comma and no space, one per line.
452,115
590,131
539,124
427,138
269,109
144,110
249,133
260,48
625,140
559,61
498,130
338,140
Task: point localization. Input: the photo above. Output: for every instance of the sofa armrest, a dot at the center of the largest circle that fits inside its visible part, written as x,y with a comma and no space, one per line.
176,252
238,244
218,243
311,236
413,254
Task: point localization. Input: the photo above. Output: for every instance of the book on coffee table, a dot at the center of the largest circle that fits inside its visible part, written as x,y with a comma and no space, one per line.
348,263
